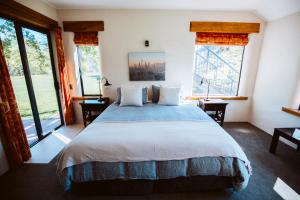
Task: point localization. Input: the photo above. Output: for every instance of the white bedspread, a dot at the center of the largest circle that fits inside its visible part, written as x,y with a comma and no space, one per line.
146,141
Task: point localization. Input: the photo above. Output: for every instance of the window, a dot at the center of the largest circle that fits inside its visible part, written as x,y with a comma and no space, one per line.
89,69
221,66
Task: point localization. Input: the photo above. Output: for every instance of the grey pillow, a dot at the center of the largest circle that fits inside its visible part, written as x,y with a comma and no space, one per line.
144,91
155,94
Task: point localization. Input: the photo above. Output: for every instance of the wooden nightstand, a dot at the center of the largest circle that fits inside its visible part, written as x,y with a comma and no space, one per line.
92,108
215,108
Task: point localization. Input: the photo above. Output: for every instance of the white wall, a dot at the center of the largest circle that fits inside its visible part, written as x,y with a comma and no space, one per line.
168,31
278,76
40,6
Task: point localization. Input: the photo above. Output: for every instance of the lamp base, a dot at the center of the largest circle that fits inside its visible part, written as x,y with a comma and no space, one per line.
100,99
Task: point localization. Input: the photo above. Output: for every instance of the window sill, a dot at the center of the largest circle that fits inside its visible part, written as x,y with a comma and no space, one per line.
79,98
238,98
291,111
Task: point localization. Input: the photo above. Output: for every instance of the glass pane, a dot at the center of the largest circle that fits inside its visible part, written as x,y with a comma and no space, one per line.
37,50
219,66
89,59
13,59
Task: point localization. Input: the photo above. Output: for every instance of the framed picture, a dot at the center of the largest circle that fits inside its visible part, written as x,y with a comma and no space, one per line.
146,66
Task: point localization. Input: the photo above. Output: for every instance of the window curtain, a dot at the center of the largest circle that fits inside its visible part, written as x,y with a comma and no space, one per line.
86,38
221,39
13,133
64,80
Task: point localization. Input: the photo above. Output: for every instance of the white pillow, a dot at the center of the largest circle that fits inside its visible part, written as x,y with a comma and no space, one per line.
131,96
170,96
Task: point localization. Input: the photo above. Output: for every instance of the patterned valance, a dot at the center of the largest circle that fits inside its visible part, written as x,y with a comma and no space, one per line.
221,39
86,38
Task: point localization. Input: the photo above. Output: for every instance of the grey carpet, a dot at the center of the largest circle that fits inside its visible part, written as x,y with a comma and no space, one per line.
38,181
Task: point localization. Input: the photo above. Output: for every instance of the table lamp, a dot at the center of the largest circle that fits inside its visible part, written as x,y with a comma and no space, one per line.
208,85
106,84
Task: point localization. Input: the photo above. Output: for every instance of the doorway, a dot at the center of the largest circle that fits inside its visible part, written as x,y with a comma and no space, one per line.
28,53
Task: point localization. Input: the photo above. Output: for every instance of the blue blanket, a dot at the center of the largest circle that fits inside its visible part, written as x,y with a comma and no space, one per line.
153,112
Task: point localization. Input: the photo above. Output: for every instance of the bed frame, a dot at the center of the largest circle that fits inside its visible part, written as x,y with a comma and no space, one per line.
139,187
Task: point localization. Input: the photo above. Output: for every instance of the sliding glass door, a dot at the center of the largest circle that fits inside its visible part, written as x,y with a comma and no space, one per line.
30,62
12,55
40,68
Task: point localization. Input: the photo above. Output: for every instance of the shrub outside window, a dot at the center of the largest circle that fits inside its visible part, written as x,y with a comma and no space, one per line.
89,69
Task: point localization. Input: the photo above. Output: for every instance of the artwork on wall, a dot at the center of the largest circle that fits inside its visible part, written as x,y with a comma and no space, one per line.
146,66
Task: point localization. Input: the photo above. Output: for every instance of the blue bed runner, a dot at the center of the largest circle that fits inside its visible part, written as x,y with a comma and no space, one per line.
153,112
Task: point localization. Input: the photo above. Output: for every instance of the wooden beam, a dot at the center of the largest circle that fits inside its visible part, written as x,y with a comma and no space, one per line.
83,26
15,11
224,27
218,97
291,111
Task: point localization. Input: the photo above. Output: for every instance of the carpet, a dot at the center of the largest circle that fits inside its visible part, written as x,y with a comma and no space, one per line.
39,181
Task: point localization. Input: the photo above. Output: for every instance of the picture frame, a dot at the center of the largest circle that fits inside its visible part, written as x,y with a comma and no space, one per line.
146,66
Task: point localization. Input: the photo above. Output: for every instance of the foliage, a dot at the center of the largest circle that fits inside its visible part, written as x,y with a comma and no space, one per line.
36,48
10,47
38,57
90,68
89,59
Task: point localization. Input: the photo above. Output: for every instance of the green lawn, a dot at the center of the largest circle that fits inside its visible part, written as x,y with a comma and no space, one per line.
44,93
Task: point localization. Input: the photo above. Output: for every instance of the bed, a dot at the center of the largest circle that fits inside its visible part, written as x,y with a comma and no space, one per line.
154,143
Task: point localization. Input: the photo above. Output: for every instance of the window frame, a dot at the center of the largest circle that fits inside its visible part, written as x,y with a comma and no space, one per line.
239,79
80,72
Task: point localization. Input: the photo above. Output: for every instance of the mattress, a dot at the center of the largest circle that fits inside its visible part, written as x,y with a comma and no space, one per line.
153,142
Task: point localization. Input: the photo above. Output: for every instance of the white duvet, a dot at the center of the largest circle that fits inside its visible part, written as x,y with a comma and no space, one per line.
146,141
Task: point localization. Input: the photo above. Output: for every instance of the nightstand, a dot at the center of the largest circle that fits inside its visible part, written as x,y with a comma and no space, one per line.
92,108
215,108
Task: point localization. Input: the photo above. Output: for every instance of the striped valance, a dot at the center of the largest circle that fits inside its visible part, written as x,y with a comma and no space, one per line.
86,38
222,39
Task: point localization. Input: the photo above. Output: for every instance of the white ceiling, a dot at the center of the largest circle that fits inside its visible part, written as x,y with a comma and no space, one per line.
266,9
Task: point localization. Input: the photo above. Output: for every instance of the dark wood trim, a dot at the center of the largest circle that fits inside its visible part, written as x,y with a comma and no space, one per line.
28,80
83,26
291,111
224,27
15,11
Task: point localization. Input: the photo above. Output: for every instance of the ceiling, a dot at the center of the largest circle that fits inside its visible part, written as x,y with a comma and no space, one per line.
266,9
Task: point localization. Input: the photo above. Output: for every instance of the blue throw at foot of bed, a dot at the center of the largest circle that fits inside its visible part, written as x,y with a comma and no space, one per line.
155,170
